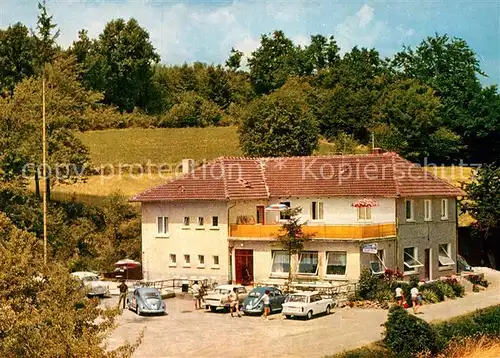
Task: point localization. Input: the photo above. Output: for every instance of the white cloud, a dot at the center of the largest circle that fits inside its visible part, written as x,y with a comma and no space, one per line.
365,15
302,40
360,30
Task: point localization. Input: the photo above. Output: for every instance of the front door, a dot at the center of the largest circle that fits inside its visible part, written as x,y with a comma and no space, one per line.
427,264
243,260
260,214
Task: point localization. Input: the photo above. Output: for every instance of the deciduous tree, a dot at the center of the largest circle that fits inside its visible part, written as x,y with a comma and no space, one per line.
279,124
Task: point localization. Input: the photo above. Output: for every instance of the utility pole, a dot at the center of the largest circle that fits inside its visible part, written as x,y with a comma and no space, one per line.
373,141
44,160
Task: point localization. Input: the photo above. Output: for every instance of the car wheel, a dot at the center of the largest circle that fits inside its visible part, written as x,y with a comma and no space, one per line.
213,308
309,315
287,316
327,310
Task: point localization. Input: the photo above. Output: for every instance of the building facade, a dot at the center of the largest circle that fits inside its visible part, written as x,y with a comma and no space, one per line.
362,211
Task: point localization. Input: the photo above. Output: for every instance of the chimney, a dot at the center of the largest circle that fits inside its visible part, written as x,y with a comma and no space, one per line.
376,151
187,166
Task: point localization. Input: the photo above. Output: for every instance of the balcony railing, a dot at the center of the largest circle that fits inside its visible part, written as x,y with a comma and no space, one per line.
319,231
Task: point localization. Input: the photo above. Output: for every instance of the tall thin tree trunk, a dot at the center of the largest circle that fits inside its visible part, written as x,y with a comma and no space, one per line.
37,185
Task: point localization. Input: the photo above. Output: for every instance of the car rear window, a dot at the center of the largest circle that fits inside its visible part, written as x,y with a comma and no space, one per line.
297,298
254,294
151,294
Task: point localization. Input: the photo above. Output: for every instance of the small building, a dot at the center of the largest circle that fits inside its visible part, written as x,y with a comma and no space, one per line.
373,211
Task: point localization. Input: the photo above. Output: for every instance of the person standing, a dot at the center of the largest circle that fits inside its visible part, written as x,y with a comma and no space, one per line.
400,296
234,302
266,302
197,295
123,293
415,299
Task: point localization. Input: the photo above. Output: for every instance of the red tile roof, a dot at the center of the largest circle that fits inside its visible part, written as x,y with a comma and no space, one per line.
235,178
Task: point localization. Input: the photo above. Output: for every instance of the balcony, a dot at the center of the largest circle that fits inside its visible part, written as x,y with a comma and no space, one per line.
368,231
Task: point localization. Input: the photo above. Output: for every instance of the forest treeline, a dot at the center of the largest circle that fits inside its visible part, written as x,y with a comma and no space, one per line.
422,102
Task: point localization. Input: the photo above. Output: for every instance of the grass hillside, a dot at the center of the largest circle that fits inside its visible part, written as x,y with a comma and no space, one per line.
167,145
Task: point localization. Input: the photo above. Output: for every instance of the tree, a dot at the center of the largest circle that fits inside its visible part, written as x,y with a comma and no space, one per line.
67,103
280,124
321,53
272,63
234,60
483,204
45,37
292,237
407,120
17,56
451,67
44,311
120,64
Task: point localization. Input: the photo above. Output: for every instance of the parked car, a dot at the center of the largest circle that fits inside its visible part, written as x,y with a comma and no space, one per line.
218,299
462,265
146,300
306,304
91,281
253,303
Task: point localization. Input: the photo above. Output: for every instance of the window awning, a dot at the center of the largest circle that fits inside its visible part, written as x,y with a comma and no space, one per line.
412,262
276,207
445,260
364,203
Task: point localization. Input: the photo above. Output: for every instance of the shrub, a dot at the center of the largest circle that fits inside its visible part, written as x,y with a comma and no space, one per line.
456,286
481,322
384,295
429,296
475,288
478,280
368,285
408,336
414,280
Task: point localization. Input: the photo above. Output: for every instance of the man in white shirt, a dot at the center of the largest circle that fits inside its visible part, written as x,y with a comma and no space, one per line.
196,294
415,299
265,301
234,302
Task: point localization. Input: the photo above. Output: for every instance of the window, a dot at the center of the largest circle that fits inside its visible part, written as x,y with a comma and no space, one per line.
444,256
364,213
186,220
444,209
187,260
216,260
201,260
280,262
427,210
215,221
162,225
317,210
377,266
173,259
308,263
201,221
409,210
336,263
410,259
283,216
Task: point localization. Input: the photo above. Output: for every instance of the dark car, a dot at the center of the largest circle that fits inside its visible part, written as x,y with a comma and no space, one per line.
253,303
462,265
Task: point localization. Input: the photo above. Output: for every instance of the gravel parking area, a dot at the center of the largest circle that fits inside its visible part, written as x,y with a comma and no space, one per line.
188,333
185,332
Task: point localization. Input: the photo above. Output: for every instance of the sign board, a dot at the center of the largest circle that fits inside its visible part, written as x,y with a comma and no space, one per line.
369,248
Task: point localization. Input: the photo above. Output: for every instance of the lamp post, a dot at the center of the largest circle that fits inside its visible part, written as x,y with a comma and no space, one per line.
44,160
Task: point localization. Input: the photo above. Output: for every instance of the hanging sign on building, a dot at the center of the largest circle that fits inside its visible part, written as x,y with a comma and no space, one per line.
369,248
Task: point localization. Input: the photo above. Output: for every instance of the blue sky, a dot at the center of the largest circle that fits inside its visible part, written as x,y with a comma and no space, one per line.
193,30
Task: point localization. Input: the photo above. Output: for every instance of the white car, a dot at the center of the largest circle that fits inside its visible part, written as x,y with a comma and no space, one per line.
219,297
91,280
306,304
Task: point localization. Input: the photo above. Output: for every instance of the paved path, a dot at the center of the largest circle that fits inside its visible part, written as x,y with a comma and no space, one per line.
187,333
